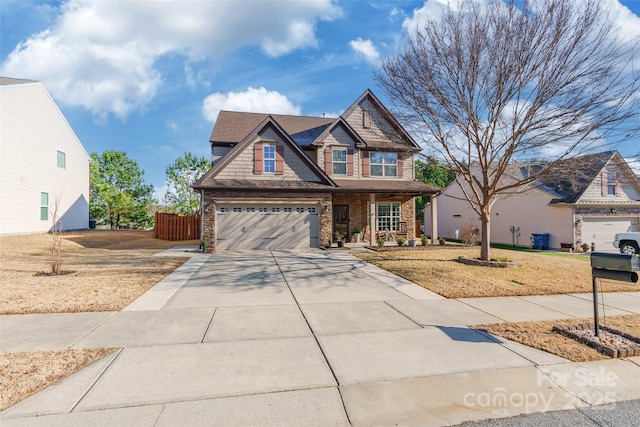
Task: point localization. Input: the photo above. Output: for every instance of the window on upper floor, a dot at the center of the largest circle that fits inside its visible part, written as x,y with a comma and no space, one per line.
339,161
612,180
388,216
44,206
383,164
611,184
269,153
61,159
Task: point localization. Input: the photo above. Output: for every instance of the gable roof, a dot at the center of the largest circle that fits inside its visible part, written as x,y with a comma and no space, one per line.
340,121
206,180
401,132
232,126
570,178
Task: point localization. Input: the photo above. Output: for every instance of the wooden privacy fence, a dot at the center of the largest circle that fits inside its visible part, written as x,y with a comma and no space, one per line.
176,227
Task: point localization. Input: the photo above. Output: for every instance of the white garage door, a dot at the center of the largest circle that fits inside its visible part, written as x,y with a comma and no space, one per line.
601,231
267,226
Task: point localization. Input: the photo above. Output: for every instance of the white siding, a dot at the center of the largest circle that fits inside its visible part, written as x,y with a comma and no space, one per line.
529,210
593,193
32,130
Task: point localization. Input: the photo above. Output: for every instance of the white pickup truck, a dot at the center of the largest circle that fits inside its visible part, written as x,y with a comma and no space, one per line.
628,243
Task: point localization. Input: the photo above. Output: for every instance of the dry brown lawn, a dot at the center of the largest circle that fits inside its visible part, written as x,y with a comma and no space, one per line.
536,274
104,271
539,335
107,270
24,374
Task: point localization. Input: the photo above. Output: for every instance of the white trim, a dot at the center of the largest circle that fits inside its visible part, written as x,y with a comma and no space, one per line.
268,201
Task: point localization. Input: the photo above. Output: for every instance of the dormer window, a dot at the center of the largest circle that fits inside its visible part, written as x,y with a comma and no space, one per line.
383,164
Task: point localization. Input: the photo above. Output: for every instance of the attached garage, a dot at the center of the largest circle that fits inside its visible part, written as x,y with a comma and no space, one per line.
601,231
262,226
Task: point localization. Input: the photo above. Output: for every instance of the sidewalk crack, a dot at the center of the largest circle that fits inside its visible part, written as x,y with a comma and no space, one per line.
119,351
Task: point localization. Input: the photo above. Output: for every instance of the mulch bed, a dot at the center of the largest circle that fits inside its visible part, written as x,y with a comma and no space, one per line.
481,263
610,341
414,248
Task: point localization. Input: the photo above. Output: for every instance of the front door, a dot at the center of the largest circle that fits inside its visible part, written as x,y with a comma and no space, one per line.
341,222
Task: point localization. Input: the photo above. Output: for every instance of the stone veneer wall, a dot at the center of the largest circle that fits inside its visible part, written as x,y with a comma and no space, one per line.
209,235
357,210
358,204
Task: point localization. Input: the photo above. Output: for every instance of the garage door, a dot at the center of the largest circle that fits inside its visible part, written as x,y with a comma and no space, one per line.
601,231
267,226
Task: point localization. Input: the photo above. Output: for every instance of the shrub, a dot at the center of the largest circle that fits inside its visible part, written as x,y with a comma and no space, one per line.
469,233
380,242
400,241
424,240
585,247
442,241
501,259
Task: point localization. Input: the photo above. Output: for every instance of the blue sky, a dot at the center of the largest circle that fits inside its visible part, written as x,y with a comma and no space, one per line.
148,77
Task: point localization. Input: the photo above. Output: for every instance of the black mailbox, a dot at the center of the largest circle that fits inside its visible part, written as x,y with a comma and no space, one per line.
623,267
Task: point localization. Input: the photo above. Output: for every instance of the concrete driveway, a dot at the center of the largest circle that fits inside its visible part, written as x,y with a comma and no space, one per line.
289,338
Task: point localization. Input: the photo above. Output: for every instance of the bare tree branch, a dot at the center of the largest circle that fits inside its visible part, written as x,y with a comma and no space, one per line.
492,84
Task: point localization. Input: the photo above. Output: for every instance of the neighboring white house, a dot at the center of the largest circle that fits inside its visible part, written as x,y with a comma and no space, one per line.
586,200
43,164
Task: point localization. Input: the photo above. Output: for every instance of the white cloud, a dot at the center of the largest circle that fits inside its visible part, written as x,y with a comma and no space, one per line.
102,55
172,125
431,10
366,49
252,100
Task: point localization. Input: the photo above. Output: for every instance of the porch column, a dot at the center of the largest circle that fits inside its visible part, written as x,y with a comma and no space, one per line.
372,219
434,218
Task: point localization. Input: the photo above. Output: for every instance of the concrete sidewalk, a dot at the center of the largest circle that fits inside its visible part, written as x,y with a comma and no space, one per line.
309,338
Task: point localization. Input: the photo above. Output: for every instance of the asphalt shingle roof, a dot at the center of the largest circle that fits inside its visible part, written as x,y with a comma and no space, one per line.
570,178
233,126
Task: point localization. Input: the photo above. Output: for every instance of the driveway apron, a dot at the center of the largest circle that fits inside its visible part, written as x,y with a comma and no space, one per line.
276,338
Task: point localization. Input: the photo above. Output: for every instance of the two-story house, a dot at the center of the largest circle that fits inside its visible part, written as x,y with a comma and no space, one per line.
586,199
280,181
44,168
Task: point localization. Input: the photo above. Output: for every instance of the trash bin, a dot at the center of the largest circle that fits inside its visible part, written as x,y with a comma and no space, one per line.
540,240
92,224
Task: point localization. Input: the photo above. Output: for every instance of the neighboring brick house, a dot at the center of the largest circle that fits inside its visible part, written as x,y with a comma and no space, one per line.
587,199
281,181
44,169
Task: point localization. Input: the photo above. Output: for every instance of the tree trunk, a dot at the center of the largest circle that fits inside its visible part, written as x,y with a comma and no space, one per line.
486,236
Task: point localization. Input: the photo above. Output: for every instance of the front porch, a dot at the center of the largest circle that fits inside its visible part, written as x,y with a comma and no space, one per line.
372,216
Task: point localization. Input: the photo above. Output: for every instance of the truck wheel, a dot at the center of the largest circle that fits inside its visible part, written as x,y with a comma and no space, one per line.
629,248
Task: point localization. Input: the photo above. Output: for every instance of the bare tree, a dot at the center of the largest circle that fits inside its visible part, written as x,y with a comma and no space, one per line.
55,260
487,85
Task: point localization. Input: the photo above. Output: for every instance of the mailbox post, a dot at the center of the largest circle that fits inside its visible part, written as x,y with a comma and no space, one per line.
621,267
